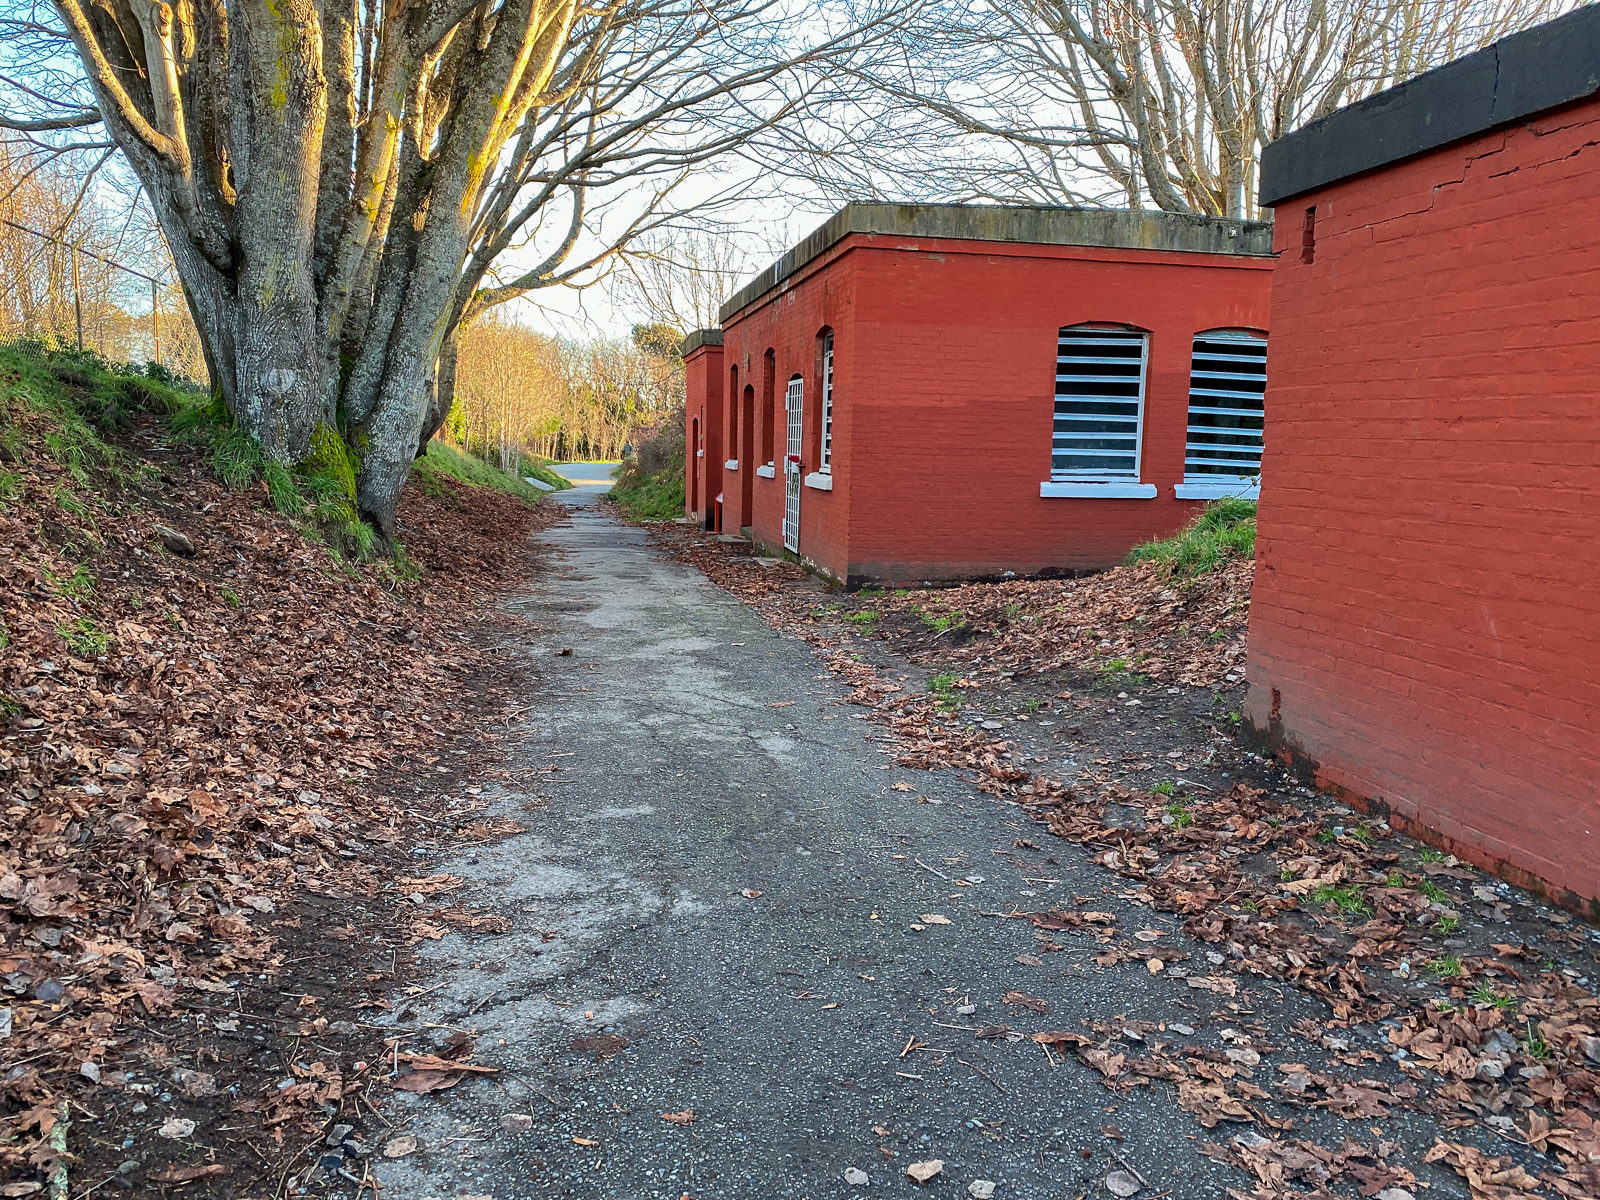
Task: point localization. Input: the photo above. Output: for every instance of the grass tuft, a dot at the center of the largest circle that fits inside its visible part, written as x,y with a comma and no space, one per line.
84,638
1226,530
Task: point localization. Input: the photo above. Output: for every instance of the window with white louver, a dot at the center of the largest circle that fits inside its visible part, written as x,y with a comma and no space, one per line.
1227,389
1099,405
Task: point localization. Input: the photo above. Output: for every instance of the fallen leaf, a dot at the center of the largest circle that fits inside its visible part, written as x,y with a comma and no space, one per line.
585,1141
856,1177
921,1172
751,893
191,1174
981,1189
1023,1000
1029,960
685,1117
176,1128
423,1082
1221,984
1121,1183
934,919
432,1062
401,1146
601,1046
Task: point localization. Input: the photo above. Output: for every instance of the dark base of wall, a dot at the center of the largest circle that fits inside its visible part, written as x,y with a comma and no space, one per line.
1274,742
874,576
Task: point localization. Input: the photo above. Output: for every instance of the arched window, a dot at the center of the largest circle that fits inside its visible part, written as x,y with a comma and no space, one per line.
1227,410
769,416
825,390
1099,404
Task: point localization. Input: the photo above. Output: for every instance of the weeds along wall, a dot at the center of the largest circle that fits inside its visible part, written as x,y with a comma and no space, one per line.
1425,624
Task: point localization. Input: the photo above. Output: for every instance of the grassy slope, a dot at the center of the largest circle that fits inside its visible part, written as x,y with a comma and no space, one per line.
657,497
444,462
146,692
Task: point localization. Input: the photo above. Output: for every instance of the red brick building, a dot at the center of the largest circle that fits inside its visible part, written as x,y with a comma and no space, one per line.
926,392
1425,625
703,426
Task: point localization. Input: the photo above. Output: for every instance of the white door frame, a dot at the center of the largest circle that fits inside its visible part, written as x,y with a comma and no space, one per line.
794,410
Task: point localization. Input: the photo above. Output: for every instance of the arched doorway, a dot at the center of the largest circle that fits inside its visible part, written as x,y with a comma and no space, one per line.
694,466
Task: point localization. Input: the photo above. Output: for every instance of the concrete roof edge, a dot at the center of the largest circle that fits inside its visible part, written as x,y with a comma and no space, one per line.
697,339
1542,68
1112,228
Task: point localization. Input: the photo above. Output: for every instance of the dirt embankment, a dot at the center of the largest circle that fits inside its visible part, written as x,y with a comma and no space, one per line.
211,733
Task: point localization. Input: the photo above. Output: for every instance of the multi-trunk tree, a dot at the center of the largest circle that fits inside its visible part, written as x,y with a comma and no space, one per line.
343,183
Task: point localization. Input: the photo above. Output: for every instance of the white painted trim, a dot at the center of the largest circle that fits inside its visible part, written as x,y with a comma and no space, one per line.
1248,490
699,453
767,472
1098,491
731,465
823,483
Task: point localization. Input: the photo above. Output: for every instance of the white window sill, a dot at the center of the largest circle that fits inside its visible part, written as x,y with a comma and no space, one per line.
767,472
731,465
1249,489
1098,491
823,483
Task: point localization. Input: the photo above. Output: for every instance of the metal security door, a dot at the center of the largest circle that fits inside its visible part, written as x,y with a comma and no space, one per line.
793,402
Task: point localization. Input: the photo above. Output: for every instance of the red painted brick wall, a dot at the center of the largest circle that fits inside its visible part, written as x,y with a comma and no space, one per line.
703,386
945,358
1425,627
788,323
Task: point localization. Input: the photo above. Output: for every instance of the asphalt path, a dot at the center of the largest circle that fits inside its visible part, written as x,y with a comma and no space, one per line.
724,905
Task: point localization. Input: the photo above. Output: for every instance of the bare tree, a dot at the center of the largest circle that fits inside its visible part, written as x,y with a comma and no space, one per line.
681,277
343,183
1134,103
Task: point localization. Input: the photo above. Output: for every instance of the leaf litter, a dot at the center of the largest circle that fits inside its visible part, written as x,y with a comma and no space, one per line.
195,744
1289,887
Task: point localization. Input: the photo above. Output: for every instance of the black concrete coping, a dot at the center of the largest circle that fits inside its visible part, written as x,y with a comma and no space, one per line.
1516,78
700,337
1121,229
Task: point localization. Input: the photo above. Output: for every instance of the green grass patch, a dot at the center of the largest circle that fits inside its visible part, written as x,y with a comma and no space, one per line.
942,622
864,619
1118,672
943,687
1226,530
1447,966
1485,995
444,465
84,638
1433,891
646,497
1348,900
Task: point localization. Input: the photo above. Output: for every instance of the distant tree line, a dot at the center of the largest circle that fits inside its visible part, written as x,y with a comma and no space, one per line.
521,392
